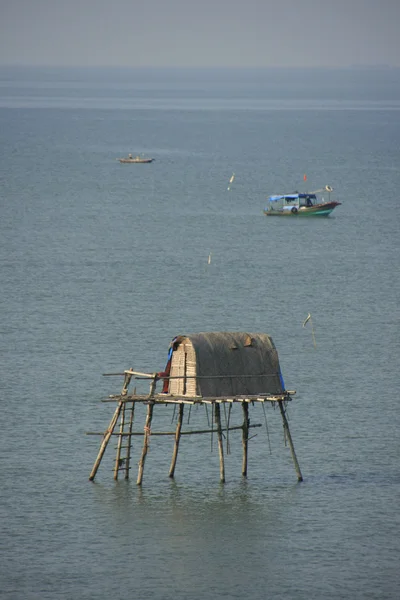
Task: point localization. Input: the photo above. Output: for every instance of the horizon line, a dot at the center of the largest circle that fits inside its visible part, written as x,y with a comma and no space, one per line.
197,67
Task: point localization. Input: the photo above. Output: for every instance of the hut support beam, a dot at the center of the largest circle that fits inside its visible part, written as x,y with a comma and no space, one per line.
289,439
147,431
220,443
118,460
245,436
172,432
105,441
177,439
129,442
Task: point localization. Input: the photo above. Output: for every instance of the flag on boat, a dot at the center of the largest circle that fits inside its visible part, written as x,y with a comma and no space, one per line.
305,177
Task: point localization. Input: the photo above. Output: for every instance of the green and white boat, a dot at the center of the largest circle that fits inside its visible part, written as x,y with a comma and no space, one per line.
301,205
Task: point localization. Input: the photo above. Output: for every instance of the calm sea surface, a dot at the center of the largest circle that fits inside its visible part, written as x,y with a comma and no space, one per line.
102,264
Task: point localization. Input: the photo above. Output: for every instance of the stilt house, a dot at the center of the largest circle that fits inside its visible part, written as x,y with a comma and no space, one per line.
203,368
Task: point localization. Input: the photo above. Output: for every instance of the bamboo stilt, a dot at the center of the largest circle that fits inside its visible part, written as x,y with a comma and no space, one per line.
177,439
122,462
245,436
147,429
220,443
129,442
119,443
228,450
212,426
289,439
105,441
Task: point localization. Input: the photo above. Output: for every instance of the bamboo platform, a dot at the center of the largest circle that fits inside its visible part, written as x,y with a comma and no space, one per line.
123,419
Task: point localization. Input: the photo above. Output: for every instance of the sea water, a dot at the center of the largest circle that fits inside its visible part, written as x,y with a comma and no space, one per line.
102,264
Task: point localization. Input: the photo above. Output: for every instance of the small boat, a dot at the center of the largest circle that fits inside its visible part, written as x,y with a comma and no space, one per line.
302,205
135,159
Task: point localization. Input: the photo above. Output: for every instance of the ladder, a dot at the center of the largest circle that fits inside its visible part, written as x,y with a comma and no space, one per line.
122,462
124,445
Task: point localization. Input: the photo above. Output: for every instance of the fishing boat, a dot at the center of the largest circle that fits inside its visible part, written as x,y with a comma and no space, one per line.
302,205
135,159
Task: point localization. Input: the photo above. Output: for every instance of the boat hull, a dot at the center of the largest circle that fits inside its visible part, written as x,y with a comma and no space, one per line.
318,210
135,160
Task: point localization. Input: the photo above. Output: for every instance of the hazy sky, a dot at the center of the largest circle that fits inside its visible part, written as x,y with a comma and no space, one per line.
201,33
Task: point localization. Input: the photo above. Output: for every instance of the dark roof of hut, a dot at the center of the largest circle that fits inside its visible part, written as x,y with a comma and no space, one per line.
238,363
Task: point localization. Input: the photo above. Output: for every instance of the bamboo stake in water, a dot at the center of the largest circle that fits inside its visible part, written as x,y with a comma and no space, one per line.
119,444
105,441
308,318
289,439
177,439
129,442
245,436
147,430
220,443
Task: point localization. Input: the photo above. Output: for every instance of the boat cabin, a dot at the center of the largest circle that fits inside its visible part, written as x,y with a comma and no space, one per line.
288,202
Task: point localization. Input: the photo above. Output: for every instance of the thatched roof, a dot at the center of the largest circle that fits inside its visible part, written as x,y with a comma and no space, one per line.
237,363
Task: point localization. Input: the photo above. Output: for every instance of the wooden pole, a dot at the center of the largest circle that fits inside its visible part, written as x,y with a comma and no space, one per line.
245,436
119,443
126,434
220,444
289,438
177,439
106,439
127,380
129,442
147,430
228,450
212,426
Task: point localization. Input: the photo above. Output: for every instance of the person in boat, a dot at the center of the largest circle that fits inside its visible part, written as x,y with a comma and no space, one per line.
308,202
129,155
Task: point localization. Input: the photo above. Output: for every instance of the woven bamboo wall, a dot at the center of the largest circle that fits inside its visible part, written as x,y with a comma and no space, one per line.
183,363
